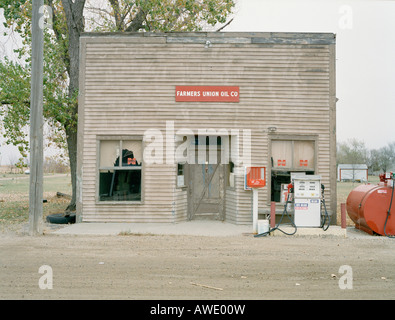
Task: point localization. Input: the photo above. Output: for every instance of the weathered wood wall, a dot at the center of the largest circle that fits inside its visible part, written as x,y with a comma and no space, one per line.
286,80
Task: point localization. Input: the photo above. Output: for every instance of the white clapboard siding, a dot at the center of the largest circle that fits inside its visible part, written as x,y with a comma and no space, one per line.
127,86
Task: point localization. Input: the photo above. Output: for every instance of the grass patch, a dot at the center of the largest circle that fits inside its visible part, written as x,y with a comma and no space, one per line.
14,197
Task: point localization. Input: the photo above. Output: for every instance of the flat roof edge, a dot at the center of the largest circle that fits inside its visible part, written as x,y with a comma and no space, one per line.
222,37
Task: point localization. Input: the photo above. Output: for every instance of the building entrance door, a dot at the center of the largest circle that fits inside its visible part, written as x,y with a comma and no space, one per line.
206,194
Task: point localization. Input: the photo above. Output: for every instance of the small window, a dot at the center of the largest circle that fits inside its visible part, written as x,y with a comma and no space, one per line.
180,175
180,169
293,154
230,180
120,170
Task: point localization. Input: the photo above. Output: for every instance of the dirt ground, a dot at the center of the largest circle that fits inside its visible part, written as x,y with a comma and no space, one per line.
193,267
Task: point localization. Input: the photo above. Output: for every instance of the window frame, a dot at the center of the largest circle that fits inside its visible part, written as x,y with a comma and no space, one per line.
183,165
118,138
294,165
293,138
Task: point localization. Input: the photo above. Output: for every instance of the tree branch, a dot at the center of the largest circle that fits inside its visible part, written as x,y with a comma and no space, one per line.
225,25
99,9
58,34
117,14
9,103
137,22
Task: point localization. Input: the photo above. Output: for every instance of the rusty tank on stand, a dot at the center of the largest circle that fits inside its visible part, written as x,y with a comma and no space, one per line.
368,206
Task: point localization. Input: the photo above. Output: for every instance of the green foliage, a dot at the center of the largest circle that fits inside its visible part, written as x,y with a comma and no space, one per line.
15,79
183,15
15,100
18,18
59,104
163,15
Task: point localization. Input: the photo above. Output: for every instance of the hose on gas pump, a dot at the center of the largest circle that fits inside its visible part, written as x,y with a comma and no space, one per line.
326,215
388,213
285,212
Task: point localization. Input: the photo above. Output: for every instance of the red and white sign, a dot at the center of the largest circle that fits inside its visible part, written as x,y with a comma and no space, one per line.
301,206
281,163
303,163
207,94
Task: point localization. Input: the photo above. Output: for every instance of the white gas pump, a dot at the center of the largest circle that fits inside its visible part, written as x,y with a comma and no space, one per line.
307,201
306,193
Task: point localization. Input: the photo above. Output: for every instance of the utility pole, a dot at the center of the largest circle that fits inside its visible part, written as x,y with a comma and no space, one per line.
36,121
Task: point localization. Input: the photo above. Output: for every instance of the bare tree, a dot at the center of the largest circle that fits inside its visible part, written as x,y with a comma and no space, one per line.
353,151
386,157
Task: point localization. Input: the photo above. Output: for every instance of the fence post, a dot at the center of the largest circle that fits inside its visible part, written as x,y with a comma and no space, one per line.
343,215
272,214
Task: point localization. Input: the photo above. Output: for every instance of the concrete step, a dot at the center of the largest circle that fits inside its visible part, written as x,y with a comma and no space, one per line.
206,216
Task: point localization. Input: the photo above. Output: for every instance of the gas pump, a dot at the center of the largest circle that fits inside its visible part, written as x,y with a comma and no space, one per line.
306,193
307,201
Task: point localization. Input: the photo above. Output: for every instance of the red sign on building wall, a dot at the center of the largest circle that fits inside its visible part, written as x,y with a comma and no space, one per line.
207,94
303,163
281,163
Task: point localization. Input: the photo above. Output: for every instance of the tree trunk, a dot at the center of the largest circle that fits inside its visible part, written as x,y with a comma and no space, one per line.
72,148
75,25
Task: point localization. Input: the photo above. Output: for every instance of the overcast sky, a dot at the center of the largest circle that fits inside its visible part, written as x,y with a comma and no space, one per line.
365,56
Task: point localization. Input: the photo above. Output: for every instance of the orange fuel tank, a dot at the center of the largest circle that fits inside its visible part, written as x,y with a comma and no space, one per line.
367,205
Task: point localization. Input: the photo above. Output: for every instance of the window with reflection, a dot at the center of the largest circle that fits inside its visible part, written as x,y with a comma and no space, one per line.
120,166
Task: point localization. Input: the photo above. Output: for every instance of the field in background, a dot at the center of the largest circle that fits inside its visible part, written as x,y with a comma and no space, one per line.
14,196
